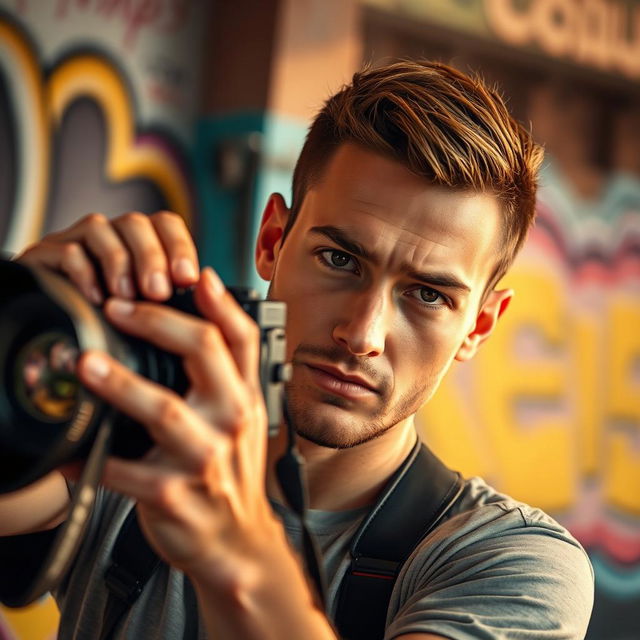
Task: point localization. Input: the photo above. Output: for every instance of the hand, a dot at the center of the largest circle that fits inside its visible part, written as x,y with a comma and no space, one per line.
135,252
201,496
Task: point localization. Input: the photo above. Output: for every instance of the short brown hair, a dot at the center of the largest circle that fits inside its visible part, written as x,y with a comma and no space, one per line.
441,124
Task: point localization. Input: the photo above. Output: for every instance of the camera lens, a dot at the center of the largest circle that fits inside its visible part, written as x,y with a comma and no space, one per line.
46,385
47,417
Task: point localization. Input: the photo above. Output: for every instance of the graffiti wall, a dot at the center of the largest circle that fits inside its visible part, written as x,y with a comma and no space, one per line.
97,105
98,102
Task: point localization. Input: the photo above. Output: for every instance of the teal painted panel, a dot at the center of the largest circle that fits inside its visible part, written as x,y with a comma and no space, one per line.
230,216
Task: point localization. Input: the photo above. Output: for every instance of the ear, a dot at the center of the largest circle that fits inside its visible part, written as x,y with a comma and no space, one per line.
274,220
494,306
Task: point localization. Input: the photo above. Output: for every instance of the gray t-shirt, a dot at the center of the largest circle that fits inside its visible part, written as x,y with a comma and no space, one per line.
495,568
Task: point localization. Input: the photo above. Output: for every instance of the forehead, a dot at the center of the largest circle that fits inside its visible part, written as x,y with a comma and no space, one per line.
401,217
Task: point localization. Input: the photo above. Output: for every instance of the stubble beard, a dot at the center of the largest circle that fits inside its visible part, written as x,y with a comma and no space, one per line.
353,429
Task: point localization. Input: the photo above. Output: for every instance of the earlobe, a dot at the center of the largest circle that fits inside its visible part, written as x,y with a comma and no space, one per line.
274,220
494,306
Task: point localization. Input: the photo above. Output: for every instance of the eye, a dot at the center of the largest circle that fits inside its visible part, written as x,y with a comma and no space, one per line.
429,297
338,260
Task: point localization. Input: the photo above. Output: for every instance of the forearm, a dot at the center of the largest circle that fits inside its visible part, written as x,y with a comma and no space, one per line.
40,506
267,597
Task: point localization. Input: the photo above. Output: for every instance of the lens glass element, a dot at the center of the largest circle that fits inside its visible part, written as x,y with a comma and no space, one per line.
46,383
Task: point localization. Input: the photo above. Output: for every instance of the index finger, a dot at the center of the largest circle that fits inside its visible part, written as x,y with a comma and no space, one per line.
239,330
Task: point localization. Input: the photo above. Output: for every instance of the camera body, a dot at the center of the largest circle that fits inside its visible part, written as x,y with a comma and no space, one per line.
47,418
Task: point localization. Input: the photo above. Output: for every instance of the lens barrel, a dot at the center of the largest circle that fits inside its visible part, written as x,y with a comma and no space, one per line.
47,418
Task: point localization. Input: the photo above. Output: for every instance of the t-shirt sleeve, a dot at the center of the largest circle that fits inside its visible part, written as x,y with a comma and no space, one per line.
498,573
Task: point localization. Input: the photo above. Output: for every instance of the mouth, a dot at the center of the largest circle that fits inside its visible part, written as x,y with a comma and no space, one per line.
335,381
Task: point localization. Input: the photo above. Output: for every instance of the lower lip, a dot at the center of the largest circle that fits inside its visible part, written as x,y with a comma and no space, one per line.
335,385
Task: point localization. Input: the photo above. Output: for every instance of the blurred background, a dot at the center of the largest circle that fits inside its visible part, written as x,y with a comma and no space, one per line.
201,107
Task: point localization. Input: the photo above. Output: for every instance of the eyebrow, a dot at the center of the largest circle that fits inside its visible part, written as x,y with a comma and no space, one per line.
445,280
341,238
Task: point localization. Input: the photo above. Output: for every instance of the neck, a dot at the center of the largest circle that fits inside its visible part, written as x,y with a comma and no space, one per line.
340,479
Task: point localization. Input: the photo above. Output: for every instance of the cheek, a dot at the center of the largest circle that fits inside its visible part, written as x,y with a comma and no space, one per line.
425,352
300,327
309,309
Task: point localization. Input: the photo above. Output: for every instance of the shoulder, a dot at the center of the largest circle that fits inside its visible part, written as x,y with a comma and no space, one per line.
483,516
500,562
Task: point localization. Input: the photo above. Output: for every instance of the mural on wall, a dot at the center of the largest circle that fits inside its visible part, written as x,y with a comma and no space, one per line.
98,103
89,129
594,33
600,34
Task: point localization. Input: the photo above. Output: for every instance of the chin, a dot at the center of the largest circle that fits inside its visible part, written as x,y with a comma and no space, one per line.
334,422
343,441
336,428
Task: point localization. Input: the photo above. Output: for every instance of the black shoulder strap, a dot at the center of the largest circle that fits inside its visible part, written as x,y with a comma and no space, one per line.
133,562
413,502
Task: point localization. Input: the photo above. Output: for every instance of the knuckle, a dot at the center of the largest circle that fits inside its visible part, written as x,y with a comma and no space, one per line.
236,421
182,249
168,413
166,494
205,464
260,407
118,259
134,218
207,338
71,253
95,221
121,379
168,218
151,255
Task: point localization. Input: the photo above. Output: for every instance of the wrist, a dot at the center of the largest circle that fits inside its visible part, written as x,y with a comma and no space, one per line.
266,589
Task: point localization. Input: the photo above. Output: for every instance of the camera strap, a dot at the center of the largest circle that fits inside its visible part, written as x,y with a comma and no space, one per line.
415,500
133,562
293,482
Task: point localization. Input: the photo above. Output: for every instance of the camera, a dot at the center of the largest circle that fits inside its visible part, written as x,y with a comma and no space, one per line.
47,418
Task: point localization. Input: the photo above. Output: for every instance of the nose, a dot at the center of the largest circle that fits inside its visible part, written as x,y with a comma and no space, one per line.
364,327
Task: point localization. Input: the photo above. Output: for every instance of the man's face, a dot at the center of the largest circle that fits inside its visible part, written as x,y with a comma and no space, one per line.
383,275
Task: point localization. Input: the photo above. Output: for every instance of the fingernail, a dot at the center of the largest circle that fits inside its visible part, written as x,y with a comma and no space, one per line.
213,280
96,366
184,269
125,287
159,285
119,307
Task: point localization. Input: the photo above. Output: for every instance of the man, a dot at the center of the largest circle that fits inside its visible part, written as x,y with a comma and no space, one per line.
413,193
